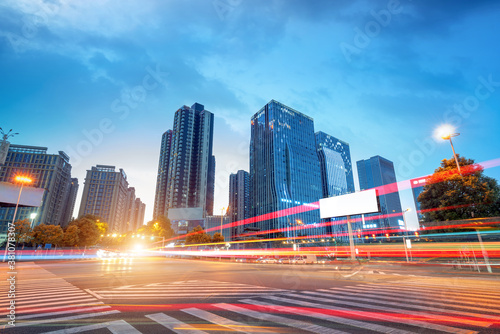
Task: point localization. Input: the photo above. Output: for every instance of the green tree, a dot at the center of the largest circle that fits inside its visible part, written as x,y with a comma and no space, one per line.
159,227
198,236
218,237
23,231
70,238
47,234
88,232
102,227
449,195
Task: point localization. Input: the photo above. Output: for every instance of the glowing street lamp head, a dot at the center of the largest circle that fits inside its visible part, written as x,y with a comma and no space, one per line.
445,132
23,179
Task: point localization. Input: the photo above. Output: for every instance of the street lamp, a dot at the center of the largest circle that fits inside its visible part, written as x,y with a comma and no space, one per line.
32,216
446,132
22,180
406,235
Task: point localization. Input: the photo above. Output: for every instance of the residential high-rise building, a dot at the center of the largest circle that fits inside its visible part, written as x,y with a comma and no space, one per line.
187,150
160,208
130,214
70,201
376,172
336,167
139,211
106,194
49,171
284,168
239,200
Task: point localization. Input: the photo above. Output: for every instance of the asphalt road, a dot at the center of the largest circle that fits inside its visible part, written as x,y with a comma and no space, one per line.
164,295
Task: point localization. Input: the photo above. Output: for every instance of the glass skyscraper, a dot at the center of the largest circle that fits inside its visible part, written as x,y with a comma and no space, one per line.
417,187
186,169
376,172
239,200
284,168
160,208
336,167
336,175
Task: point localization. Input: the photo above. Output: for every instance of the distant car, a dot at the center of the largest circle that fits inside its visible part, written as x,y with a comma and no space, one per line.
285,260
298,260
305,259
266,260
106,254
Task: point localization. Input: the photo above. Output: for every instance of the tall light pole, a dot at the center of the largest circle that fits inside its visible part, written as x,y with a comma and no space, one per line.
406,235
446,132
32,216
22,180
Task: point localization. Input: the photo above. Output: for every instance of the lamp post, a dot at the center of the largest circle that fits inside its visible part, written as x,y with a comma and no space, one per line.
32,216
406,235
22,180
446,132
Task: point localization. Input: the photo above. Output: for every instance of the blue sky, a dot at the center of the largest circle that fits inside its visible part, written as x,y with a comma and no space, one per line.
380,75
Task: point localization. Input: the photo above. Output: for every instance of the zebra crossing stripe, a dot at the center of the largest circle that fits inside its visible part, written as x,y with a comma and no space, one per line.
280,320
72,305
460,294
28,287
348,295
57,300
218,320
327,317
62,303
184,295
462,288
22,293
197,289
378,316
173,324
115,327
50,314
46,296
419,298
74,317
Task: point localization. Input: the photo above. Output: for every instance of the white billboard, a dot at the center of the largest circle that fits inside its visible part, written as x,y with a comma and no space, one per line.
9,193
350,204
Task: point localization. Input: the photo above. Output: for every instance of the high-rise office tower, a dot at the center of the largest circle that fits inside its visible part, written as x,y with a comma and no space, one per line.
417,187
336,175
376,172
160,209
187,150
336,167
105,194
239,200
49,171
70,201
284,168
